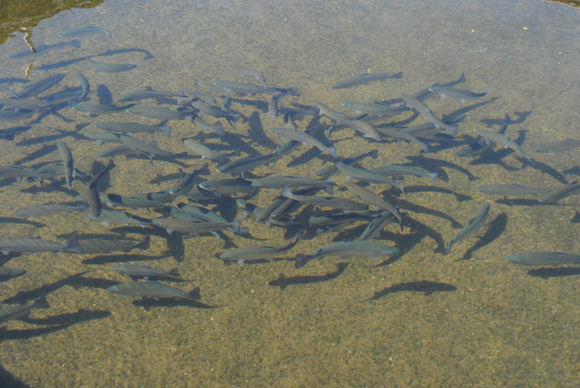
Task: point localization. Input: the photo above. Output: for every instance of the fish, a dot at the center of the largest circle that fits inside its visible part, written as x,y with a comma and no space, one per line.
367,176
205,152
234,87
67,161
202,213
256,252
38,87
12,312
471,227
348,249
427,114
303,137
143,271
426,93
331,113
250,162
394,134
10,133
561,192
555,147
363,79
97,109
159,113
513,189
92,193
331,169
101,245
244,72
364,128
373,199
85,31
145,147
137,201
25,103
109,67
216,127
16,114
374,109
186,181
279,181
118,217
7,273
333,202
143,94
102,138
133,128
184,226
503,140
215,112
400,170
461,94
20,172
152,289
33,212
31,244
86,88
543,259
481,145
376,225
228,186
45,49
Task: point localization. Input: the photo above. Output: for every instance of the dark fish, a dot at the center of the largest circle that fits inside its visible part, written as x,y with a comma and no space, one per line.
153,290
228,186
109,67
132,270
85,31
471,227
363,79
184,226
100,245
186,181
543,259
9,133
92,194
67,161
30,244
278,182
9,313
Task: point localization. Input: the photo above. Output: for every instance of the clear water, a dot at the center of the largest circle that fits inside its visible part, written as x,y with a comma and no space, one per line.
503,325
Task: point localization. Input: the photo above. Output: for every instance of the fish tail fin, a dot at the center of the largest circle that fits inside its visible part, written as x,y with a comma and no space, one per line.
167,130
332,151
193,294
453,129
433,176
487,90
398,75
448,247
425,147
72,244
236,225
145,244
76,43
462,78
174,272
301,261
286,192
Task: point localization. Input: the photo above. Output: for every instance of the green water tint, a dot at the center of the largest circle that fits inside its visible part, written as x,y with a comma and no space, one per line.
416,319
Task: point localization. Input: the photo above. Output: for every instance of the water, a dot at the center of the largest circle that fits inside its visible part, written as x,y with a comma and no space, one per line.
503,326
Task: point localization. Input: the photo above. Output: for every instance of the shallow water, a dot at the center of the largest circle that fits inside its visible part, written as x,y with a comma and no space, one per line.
503,325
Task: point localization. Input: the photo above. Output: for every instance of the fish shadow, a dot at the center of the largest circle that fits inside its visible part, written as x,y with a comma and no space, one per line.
16,220
406,205
147,303
9,381
121,258
57,322
554,272
436,189
284,281
436,165
495,229
257,134
425,286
